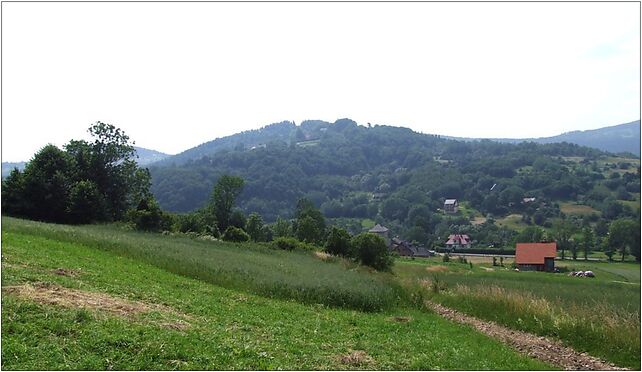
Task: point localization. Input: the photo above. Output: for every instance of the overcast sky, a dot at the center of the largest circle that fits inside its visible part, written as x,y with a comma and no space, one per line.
176,75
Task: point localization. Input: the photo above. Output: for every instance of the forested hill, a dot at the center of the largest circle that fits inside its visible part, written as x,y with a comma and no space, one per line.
397,176
275,132
616,139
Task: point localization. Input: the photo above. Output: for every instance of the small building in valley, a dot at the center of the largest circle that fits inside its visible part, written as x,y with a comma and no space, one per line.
407,249
382,231
536,256
451,206
458,241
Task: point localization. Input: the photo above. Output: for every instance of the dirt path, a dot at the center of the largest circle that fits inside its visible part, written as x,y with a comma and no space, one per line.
542,348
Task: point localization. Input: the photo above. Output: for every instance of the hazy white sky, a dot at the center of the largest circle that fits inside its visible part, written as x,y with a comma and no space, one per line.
174,75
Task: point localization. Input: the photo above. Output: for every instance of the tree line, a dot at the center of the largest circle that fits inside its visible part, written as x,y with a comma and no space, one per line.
99,181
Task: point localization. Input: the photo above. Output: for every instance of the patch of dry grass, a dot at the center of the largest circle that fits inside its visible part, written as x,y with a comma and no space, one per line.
51,294
357,358
577,209
437,269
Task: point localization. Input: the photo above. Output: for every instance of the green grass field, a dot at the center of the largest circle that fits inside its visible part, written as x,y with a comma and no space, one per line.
164,316
598,315
272,273
577,209
512,221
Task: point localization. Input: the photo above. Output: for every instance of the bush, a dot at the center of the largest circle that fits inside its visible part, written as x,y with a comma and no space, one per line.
284,243
445,258
338,243
290,244
149,217
235,234
189,222
371,250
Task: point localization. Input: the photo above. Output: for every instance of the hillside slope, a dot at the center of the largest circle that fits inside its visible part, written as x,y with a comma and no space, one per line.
70,305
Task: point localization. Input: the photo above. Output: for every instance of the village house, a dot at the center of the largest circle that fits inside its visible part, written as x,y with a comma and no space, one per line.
451,206
406,249
536,256
456,241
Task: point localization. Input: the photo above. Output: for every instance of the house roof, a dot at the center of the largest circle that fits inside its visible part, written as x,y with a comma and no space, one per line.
461,239
378,229
534,253
450,201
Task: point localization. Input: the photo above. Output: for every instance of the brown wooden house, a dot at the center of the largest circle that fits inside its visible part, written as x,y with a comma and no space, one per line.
536,256
407,249
451,206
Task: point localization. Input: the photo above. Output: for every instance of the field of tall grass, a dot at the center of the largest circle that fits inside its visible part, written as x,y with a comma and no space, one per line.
300,276
599,315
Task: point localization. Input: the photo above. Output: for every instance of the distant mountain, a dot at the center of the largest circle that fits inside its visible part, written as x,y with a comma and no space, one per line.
145,157
8,167
615,139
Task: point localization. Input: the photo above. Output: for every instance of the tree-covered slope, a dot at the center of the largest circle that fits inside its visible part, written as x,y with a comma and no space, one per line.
401,178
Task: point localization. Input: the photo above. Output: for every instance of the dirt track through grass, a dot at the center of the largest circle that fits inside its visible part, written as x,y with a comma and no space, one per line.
541,348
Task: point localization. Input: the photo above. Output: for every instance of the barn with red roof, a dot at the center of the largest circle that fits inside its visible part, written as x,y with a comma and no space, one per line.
536,256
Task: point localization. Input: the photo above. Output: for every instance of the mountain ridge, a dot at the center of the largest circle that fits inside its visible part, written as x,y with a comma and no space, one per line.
609,138
621,138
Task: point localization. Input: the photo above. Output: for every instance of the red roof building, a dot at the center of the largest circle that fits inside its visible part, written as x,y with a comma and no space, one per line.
536,256
458,241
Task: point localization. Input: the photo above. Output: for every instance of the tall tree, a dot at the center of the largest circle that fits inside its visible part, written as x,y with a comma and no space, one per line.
254,227
588,241
109,162
338,242
14,202
47,184
624,234
531,234
226,190
309,224
281,228
562,232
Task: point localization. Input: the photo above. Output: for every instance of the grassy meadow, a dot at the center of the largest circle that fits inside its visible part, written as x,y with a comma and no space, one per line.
97,298
598,315
299,276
